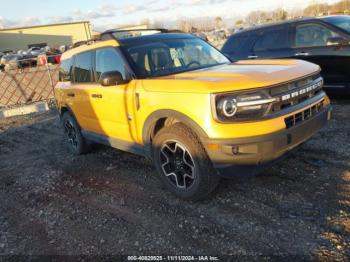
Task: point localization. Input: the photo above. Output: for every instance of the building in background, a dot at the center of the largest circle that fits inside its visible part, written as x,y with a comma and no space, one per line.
52,35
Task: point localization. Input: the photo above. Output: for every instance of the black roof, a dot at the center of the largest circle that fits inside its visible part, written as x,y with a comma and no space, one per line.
134,36
152,38
134,30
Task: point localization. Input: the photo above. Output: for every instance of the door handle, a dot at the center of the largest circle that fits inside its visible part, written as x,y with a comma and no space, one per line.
137,98
253,57
71,94
96,96
302,54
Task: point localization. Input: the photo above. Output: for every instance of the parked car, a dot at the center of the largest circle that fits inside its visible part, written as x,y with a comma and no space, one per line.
19,59
49,56
35,51
178,100
10,61
324,41
1,65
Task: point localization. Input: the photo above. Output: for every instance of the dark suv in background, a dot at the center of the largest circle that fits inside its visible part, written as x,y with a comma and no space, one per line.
323,41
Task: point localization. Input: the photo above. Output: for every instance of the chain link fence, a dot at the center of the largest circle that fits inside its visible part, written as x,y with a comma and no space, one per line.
22,83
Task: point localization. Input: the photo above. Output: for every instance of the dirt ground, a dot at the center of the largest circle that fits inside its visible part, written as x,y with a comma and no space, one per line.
110,202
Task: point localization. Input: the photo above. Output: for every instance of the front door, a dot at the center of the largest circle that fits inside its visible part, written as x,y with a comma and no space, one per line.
312,43
113,109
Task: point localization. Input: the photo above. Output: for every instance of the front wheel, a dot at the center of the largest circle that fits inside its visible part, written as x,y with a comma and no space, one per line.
182,163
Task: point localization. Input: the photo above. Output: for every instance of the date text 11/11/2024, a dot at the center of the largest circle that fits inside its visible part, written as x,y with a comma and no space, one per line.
173,258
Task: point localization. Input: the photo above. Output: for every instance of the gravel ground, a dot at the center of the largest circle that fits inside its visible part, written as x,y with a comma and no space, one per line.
110,202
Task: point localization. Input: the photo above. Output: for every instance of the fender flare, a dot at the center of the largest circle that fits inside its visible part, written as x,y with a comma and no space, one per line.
68,109
165,113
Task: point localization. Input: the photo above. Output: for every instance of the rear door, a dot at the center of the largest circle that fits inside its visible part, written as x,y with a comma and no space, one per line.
83,79
64,90
311,43
272,42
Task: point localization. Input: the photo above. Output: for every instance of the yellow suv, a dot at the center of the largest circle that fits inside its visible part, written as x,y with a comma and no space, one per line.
175,98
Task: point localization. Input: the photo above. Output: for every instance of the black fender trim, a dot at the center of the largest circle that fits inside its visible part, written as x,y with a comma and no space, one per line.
70,111
165,113
115,143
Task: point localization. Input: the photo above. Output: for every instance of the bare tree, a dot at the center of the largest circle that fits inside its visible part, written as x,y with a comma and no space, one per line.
278,15
239,23
185,25
316,9
295,13
257,17
204,24
342,7
218,22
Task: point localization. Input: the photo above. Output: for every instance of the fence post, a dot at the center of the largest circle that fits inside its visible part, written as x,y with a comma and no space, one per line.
50,78
51,81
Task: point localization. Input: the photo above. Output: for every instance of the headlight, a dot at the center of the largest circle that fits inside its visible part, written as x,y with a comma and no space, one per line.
227,107
242,106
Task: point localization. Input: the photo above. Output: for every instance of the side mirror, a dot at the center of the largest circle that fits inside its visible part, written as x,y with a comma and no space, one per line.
336,41
112,78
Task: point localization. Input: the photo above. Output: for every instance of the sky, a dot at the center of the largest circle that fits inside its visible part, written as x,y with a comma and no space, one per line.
106,14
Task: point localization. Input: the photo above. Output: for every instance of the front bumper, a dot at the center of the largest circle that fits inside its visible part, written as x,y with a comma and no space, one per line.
250,155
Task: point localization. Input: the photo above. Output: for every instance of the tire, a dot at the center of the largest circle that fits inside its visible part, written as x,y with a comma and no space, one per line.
75,140
182,163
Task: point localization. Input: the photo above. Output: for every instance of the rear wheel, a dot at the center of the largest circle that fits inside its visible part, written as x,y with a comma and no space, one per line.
76,141
182,163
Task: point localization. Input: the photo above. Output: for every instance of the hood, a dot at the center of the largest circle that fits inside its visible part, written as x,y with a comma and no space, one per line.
234,77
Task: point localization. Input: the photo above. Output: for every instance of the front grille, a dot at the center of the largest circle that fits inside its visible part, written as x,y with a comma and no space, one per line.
273,101
304,115
295,92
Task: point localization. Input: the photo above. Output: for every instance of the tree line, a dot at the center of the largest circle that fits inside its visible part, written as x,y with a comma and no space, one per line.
316,8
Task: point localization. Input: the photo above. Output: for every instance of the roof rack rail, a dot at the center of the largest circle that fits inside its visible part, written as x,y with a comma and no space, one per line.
127,33
86,42
163,30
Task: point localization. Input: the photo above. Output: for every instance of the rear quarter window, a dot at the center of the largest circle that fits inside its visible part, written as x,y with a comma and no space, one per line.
66,70
83,68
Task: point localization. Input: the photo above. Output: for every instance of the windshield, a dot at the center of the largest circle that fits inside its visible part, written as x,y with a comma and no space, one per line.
173,56
342,22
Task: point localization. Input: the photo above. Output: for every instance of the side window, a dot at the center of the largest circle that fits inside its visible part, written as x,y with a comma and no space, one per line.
276,38
83,68
235,43
107,60
66,70
308,35
161,59
141,61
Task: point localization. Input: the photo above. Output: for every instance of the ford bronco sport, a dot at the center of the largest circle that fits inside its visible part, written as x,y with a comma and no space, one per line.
175,98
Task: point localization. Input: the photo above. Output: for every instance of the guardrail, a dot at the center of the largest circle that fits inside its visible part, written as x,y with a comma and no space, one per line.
24,84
